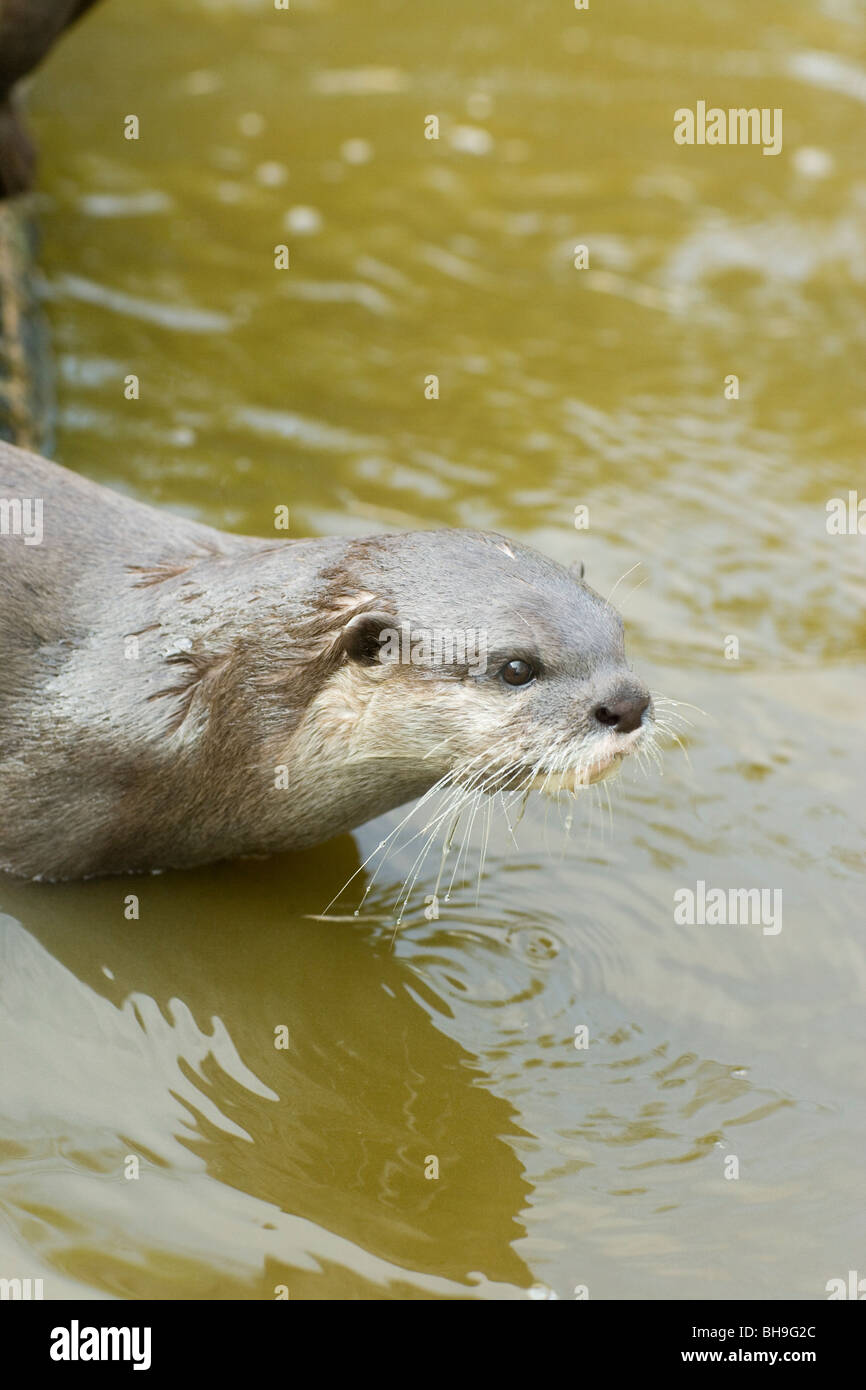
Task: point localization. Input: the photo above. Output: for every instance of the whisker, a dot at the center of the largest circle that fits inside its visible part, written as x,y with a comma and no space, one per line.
452,804
684,704
621,578
633,590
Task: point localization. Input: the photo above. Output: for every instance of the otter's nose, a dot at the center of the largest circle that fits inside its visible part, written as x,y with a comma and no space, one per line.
623,715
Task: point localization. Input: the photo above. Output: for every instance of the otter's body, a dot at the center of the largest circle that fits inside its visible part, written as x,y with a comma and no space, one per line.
171,695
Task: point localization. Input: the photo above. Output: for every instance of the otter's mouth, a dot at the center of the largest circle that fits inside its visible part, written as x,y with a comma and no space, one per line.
590,763
573,778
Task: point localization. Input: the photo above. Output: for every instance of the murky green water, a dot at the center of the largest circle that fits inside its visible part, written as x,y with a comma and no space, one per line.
604,1167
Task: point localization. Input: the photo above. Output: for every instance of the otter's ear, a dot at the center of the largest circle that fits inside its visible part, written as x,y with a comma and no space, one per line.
577,568
364,636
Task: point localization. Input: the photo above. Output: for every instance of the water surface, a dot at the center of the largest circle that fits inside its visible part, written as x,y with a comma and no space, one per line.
601,1168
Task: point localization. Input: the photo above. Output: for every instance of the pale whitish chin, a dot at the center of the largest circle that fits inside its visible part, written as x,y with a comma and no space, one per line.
606,762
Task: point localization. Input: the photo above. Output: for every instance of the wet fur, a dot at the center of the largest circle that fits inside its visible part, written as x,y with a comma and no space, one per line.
111,763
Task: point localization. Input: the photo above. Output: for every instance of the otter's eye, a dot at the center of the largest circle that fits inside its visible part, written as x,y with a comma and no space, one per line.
517,672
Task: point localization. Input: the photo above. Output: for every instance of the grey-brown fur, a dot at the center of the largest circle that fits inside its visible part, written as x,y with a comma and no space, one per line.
246,662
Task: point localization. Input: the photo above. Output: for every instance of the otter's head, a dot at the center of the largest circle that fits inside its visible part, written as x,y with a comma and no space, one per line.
475,660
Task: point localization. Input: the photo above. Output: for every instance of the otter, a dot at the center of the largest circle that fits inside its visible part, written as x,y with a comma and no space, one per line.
172,695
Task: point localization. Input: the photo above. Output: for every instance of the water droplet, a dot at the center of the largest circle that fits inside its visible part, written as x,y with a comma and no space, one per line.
356,151
271,174
303,221
251,123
